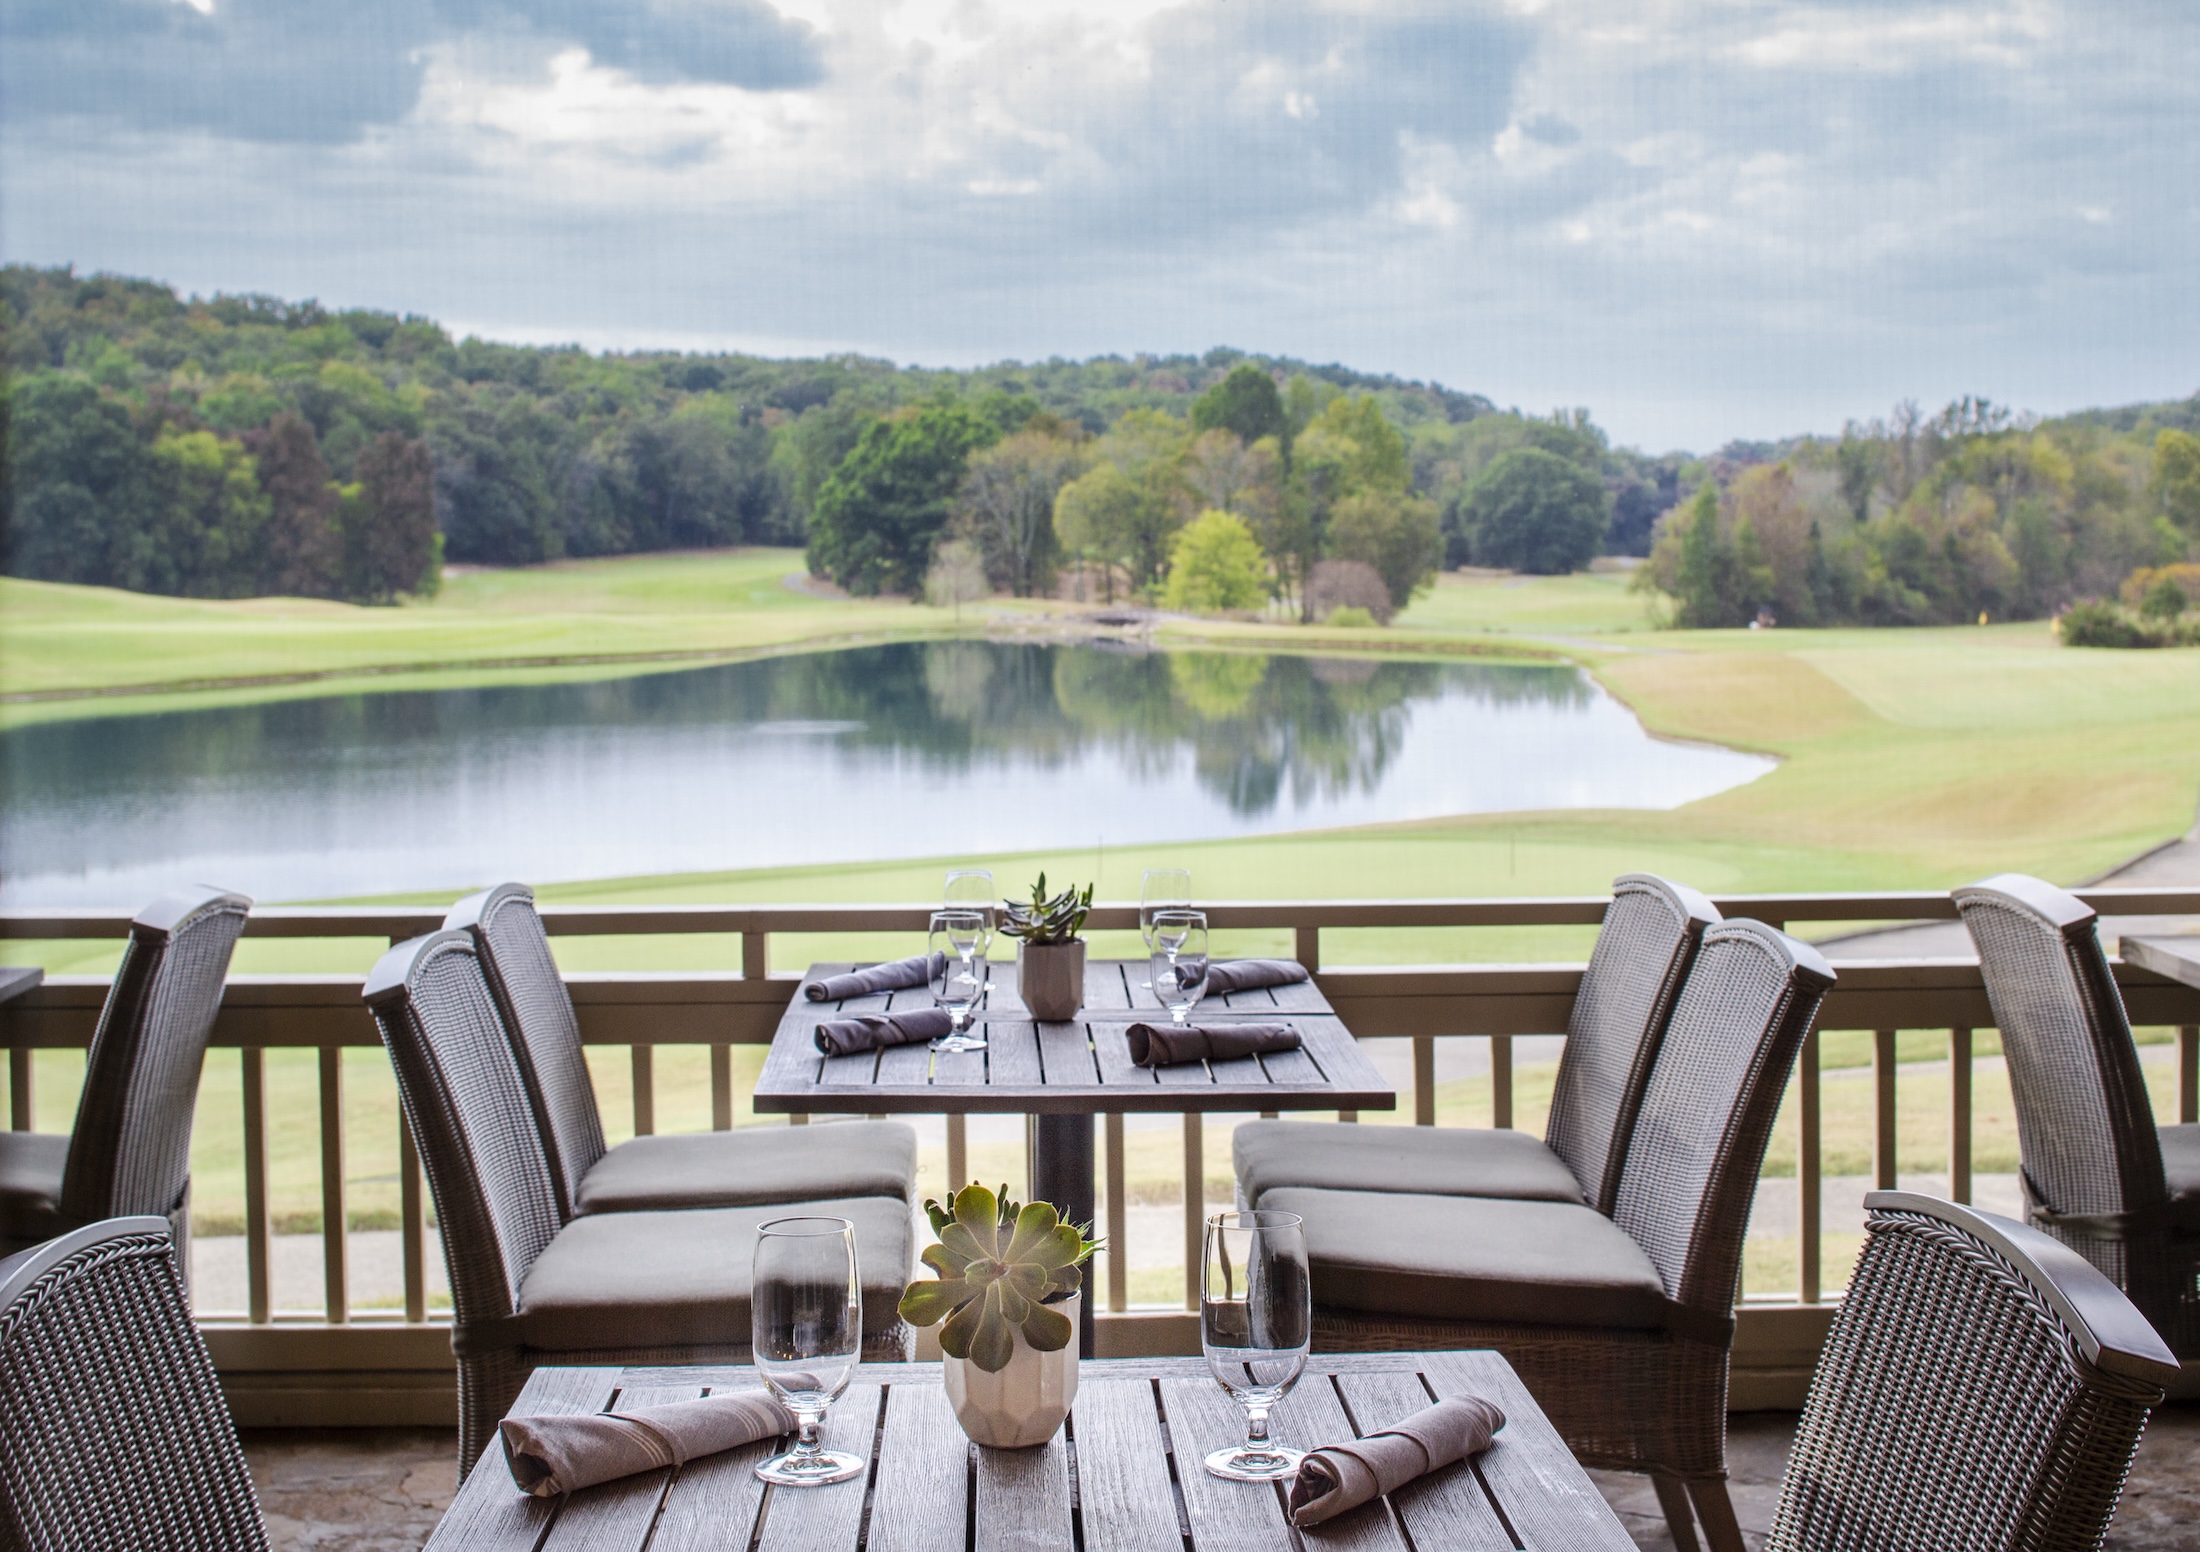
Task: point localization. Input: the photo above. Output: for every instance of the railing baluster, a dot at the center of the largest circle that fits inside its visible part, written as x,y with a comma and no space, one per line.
412,1221
958,1151
1308,943
755,955
1959,1115
721,1088
2188,1074
1501,1082
1195,1205
335,1229
1118,1230
645,1090
1424,1080
19,1089
1809,1183
1884,1161
257,1231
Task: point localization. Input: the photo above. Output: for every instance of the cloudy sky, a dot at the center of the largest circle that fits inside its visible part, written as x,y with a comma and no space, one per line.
1701,218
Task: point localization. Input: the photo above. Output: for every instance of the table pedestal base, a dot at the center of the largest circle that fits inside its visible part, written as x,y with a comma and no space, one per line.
1061,1173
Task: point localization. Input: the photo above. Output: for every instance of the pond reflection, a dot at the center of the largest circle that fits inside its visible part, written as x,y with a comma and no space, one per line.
917,749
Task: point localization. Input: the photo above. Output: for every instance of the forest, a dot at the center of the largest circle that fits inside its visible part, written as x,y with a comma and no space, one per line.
245,445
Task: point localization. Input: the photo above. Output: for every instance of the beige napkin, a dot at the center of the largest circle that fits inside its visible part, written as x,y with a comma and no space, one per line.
869,1031
1244,975
553,1455
893,976
1344,1476
1159,1045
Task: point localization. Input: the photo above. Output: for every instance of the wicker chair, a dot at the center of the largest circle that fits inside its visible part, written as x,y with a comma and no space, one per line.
113,1432
1621,1325
1649,938
1983,1388
2098,1173
130,1151
749,1167
607,1288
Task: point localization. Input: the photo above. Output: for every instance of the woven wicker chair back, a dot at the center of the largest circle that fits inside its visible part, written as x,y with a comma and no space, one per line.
468,1109
1952,1408
113,1432
2085,1126
546,1033
1649,938
130,1151
1699,1138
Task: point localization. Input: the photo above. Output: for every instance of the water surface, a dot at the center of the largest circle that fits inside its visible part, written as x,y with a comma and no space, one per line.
911,750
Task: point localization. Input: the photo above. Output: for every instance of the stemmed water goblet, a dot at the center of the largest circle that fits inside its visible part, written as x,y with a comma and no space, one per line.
971,889
1179,961
1162,889
957,944
806,1330
1256,1314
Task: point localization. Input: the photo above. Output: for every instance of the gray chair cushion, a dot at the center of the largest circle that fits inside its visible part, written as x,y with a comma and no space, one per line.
668,1279
1419,1160
1473,1258
30,1187
755,1166
2181,1159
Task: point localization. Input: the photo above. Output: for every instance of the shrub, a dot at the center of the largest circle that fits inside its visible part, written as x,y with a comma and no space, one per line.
2099,623
1349,616
2153,585
1348,584
1216,565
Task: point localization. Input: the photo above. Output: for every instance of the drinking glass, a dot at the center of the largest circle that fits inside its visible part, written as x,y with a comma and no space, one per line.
957,943
1179,961
970,889
1256,1313
1162,889
807,1333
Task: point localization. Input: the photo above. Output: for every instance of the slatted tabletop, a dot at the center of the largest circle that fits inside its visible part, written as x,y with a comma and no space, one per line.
1075,1068
2177,958
1124,1473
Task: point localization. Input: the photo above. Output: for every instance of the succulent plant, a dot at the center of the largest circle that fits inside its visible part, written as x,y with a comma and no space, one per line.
1000,1265
1046,920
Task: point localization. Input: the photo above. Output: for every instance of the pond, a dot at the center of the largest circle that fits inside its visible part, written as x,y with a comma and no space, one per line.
913,750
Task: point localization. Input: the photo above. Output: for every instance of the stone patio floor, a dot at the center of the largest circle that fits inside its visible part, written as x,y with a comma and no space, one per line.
382,1490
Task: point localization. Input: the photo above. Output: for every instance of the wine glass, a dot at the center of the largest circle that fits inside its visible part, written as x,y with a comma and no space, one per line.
1162,889
970,889
1179,961
957,943
1256,1314
806,1329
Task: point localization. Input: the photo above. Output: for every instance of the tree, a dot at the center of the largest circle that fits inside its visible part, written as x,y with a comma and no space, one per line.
1348,449
212,528
1246,404
1394,533
1097,518
2177,480
1225,473
305,550
1216,564
1534,511
880,513
83,490
1348,584
957,576
390,542
1129,507
1006,505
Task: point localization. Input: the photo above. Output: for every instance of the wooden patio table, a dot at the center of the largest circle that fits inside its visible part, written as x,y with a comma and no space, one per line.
1064,1074
15,980
2177,958
1124,1473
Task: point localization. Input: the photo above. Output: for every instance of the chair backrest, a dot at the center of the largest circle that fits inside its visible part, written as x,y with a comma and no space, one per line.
113,1432
1983,1387
2085,1126
546,1034
1649,938
130,1151
462,1094
1691,1171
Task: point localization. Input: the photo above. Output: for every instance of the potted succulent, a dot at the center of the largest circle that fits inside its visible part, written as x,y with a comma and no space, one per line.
1050,967
1009,1289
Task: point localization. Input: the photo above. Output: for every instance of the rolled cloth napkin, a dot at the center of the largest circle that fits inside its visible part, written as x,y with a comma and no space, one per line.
553,1455
893,976
1244,975
869,1031
1159,1045
1344,1476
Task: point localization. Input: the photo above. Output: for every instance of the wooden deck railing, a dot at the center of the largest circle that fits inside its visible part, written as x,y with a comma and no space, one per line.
357,1366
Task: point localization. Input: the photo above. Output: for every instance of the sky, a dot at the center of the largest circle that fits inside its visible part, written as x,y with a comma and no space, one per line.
1701,219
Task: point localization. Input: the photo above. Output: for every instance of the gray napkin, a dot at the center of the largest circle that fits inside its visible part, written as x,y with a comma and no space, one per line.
893,976
1344,1476
1244,975
869,1031
1159,1045
553,1455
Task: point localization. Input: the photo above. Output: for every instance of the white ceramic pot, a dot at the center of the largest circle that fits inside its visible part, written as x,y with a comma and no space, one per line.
1051,977
1023,1404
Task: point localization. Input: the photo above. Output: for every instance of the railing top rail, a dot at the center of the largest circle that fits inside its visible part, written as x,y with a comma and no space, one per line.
318,921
